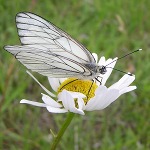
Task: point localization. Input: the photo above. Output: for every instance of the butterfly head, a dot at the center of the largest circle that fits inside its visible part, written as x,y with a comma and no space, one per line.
102,69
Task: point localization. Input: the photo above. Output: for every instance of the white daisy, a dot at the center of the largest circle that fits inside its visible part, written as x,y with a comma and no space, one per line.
77,96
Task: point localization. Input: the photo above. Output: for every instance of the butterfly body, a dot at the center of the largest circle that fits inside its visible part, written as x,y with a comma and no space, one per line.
50,51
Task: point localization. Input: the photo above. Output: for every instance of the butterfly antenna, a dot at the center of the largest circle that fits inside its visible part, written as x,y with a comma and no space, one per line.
124,56
128,73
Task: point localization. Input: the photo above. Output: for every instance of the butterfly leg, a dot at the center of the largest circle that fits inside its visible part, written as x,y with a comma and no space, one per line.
99,80
90,88
68,83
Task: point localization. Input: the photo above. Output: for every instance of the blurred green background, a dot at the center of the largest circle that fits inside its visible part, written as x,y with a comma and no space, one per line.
109,28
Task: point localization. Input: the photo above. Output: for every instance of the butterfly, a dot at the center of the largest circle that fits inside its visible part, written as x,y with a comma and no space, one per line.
50,51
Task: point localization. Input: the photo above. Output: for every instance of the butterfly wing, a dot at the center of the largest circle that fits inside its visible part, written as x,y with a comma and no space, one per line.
47,63
48,50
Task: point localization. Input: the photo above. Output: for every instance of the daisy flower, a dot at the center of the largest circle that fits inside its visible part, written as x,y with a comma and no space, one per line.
77,96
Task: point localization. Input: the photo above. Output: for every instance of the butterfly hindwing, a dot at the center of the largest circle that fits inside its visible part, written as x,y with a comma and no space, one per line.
46,63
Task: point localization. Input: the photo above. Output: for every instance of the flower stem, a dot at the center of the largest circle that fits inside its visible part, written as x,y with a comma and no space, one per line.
62,130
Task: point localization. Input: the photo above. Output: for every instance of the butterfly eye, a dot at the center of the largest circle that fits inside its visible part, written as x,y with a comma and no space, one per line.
103,70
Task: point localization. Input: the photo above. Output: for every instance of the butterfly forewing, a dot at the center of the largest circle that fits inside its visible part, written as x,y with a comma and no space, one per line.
48,50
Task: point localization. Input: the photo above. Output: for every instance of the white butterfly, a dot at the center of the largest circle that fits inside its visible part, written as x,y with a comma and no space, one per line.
50,51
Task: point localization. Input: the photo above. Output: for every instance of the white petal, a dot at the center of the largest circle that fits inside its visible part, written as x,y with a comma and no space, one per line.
66,99
129,80
49,101
56,110
100,90
69,103
109,70
125,81
95,56
46,90
49,108
103,99
81,103
77,94
105,96
62,80
102,61
92,103
127,89
81,112
24,101
54,83
111,96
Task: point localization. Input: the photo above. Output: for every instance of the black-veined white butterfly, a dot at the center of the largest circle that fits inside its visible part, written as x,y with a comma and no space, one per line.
50,51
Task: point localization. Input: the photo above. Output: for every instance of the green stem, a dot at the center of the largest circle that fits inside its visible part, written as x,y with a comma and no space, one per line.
62,130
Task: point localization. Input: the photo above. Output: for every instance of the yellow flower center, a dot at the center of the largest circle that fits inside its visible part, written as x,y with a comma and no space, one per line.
86,87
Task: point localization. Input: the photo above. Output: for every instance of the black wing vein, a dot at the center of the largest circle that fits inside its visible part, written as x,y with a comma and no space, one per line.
49,50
